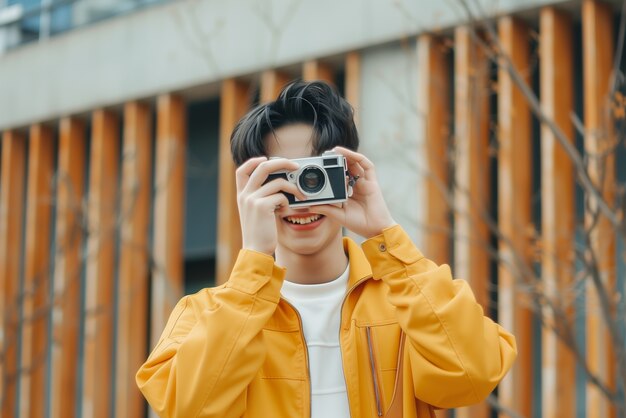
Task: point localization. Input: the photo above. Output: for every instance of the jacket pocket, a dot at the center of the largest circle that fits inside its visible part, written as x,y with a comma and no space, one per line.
382,344
374,369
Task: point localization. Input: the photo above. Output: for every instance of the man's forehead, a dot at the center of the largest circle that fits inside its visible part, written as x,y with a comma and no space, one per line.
290,141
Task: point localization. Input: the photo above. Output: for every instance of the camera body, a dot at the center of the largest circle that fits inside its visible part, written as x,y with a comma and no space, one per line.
321,179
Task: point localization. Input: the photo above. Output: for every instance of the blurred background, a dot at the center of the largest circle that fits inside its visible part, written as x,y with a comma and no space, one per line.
497,129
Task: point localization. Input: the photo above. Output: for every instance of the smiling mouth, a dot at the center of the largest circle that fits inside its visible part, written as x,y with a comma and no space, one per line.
303,220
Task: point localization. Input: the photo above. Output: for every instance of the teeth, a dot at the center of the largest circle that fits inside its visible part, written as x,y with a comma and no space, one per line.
304,220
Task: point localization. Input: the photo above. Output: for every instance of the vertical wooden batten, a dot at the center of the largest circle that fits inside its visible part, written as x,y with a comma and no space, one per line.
472,175
272,82
67,268
352,93
100,262
12,181
557,208
353,83
234,102
316,70
134,267
434,105
169,207
598,48
515,211
35,303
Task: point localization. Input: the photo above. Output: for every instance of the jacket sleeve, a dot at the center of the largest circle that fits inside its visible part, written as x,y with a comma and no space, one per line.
212,345
457,355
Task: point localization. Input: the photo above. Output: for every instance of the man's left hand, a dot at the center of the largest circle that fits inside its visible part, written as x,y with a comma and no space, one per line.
365,213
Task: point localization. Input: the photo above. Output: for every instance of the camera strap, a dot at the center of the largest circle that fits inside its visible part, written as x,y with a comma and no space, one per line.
351,182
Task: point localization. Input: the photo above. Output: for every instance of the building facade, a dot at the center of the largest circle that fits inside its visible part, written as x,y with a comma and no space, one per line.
117,188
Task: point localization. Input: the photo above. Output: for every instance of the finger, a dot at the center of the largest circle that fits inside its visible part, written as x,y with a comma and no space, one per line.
277,186
356,161
275,202
356,170
259,176
245,170
267,206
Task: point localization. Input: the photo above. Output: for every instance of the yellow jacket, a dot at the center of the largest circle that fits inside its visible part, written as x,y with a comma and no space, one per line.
238,350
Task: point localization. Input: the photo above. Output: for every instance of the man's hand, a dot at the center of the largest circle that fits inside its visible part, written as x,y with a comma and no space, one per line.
365,213
259,201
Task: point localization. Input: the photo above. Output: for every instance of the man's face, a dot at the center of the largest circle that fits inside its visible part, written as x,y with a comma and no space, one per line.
300,230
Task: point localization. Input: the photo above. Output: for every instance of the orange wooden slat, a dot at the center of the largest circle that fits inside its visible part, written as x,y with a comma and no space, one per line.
272,82
316,70
557,206
598,48
169,206
353,82
352,92
100,259
514,211
234,104
67,268
12,180
472,175
434,106
36,284
134,266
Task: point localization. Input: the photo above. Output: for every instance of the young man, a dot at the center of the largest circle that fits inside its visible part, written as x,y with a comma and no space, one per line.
309,324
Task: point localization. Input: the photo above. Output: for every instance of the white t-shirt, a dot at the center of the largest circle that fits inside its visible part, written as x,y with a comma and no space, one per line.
319,306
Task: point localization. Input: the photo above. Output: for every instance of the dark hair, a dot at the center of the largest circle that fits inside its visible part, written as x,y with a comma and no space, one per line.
315,103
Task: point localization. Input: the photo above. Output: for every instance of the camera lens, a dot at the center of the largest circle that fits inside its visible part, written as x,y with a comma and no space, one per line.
311,180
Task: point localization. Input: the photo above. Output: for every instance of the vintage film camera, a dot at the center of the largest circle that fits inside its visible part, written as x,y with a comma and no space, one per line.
321,179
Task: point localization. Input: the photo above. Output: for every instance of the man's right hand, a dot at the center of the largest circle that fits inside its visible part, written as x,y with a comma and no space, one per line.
259,201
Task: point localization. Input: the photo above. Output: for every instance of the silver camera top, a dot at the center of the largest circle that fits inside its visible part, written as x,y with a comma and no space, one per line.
321,178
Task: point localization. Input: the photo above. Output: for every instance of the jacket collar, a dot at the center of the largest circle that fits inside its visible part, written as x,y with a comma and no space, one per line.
359,265
285,317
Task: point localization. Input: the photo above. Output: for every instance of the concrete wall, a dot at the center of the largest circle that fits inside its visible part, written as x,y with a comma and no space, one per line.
190,43
390,128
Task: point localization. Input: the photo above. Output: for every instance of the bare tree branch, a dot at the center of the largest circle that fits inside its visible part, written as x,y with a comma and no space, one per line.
497,53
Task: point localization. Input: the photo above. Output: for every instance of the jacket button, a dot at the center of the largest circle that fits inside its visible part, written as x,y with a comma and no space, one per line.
382,247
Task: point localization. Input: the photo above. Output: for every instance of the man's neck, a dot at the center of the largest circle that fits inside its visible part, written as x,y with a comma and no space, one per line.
322,267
